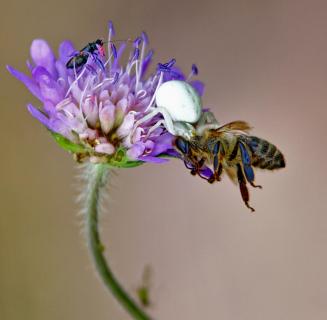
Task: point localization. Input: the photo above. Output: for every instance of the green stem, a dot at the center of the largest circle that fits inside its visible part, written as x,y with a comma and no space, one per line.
97,178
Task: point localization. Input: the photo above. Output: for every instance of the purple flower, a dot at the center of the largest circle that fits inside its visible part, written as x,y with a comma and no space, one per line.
91,109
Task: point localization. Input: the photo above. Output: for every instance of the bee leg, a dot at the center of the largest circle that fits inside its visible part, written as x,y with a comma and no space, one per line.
211,179
197,166
184,147
217,167
194,171
207,121
255,185
248,170
243,188
197,170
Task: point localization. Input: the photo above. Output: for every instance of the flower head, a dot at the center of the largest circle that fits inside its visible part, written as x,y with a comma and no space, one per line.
91,99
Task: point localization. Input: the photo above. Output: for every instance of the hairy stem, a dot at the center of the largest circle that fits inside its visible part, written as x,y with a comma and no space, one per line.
97,177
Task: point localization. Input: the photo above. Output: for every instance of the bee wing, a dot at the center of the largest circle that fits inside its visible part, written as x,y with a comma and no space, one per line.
236,125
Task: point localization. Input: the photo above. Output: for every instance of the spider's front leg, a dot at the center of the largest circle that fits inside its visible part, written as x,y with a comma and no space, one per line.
207,121
178,128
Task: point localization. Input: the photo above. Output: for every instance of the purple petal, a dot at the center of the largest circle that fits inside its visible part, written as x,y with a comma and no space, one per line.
126,127
29,83
62,71
107,117
43,56
36,113
162,144
195,69
111,28
145,38
57,125
91,111
136,54
174,74
152,159
172,153
49,108
107,148
137,42
66,49
198,86
122,104
205,173
50,89
114,50
119,54
146,62
136,150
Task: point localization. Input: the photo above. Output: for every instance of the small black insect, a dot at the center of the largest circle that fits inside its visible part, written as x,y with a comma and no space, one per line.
93,49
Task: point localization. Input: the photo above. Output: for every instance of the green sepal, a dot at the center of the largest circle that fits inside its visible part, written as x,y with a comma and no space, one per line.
67,145
120,160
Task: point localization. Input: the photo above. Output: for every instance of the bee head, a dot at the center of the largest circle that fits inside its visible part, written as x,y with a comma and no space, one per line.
182,145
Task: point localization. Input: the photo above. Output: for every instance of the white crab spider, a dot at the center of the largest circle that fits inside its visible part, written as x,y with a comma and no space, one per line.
181,108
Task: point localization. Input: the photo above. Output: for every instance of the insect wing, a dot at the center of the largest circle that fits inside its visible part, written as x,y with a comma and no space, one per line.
235,125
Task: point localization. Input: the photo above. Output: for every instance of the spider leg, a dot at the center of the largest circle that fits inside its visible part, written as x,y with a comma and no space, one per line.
176,129
207,121
156,126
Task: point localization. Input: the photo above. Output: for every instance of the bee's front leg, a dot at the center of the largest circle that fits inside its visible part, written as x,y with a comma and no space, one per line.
197,166
243,188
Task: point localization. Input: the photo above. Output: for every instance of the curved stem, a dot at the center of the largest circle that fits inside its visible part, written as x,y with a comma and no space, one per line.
97,178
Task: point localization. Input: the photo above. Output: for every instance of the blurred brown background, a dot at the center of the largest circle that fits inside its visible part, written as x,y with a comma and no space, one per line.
262,61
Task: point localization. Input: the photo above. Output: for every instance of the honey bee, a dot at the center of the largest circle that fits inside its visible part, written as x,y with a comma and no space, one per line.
229,148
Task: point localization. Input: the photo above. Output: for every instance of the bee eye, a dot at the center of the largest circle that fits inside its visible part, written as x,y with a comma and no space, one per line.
182,145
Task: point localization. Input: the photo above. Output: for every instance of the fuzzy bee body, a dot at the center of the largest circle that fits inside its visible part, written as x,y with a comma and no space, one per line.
230,149
265,155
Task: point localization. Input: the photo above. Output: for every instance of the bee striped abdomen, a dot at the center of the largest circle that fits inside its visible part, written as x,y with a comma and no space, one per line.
265,155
